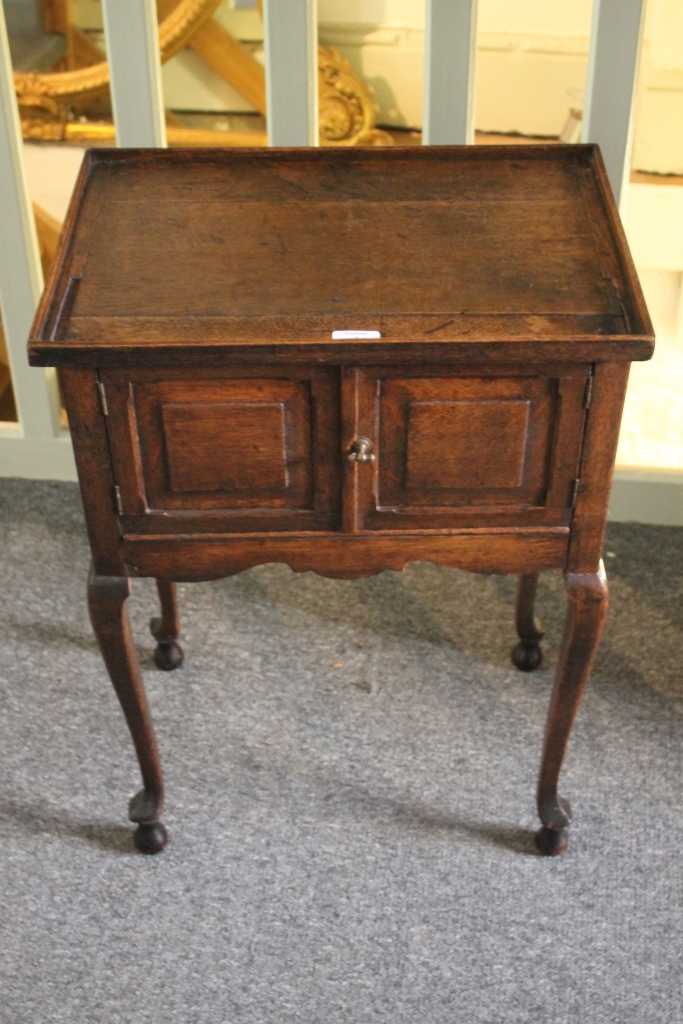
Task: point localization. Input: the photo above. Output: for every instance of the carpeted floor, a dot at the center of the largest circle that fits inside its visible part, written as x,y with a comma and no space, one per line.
350,795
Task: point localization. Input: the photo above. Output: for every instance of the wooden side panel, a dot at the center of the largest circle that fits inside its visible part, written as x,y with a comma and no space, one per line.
597,464
89,435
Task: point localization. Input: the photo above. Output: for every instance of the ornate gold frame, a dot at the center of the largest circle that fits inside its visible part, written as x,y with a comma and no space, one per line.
346,114
52,91
347,108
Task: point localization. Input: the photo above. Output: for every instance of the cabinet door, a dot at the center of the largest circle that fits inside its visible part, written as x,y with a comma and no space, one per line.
240,450
474,448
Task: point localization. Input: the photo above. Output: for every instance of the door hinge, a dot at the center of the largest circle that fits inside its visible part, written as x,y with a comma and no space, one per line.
575,490
103,398
588,393
118,499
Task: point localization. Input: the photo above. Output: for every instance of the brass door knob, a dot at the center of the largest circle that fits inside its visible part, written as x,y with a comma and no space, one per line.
360,450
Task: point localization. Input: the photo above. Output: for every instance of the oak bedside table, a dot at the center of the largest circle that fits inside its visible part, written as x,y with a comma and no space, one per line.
344,360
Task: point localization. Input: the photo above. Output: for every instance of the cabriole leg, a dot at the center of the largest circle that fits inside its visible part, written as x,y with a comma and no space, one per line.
588,602
108,614
527,654
168,653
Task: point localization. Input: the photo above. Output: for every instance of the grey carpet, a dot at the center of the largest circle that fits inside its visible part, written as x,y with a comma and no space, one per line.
350,795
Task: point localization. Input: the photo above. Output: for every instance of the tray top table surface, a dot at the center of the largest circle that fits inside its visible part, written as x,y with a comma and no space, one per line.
424,246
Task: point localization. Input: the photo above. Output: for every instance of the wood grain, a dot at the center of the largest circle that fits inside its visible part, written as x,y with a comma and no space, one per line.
586,616
597,464
260,441
439,244
91,450
345,556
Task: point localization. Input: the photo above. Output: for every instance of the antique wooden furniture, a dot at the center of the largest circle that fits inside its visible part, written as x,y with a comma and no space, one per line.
344,360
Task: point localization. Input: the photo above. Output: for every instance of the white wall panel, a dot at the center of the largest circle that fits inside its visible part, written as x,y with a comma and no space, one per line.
450,50
132,41
610,85
21,276
291,72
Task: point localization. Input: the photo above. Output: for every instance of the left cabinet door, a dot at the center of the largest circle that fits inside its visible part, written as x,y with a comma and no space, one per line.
225,450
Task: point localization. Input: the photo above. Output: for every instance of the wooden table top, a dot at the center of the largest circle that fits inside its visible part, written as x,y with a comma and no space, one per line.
440,248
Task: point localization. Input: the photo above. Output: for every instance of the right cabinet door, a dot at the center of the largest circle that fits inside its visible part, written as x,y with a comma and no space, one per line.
475,447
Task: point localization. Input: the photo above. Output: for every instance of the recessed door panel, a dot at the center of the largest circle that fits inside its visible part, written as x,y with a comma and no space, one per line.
227,447
442,456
